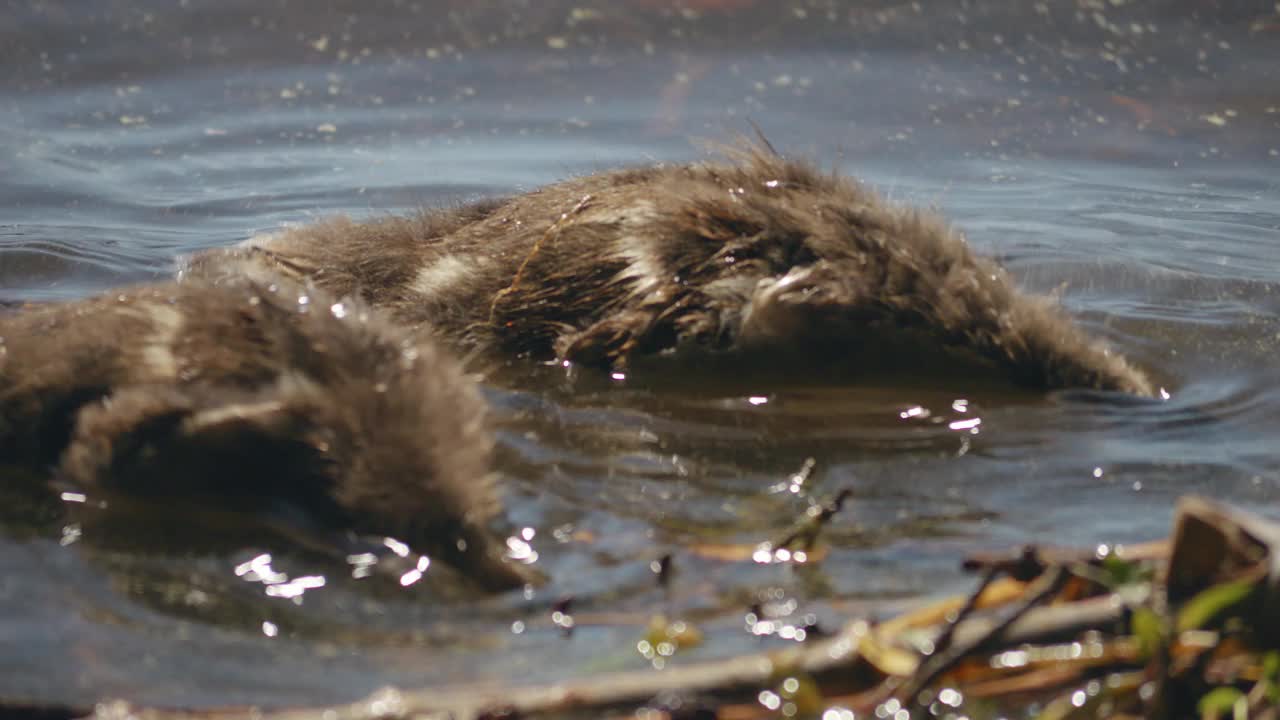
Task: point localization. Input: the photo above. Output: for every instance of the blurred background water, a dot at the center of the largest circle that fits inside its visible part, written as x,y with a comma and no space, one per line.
1124,154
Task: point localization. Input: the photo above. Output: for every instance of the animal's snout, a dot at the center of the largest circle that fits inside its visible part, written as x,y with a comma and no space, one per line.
785,306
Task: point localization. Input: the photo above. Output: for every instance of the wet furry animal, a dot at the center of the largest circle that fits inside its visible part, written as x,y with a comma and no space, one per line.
253,394
758,255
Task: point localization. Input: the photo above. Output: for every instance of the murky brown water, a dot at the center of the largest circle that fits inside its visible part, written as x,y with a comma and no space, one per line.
1125,154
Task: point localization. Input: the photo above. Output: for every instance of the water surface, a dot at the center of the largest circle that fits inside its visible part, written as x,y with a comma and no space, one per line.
1123,156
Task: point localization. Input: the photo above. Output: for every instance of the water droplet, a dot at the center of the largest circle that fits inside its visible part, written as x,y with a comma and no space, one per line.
396,546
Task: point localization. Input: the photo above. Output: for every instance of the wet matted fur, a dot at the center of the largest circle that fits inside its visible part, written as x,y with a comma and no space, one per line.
250,393
757,254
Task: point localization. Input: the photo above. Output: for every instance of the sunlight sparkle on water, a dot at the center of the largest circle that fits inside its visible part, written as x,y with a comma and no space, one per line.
362,564
259,570
791,632
415,574
892,709
765,554
296,587
971,424
396,546
950,696
562,620
278,584
70,534
912,412
521,551
1010,659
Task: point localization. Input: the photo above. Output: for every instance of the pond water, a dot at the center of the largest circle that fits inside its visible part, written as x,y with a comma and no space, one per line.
1124,156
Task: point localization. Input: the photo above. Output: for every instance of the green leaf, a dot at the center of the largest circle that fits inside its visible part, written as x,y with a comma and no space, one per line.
1118,572
1149,629
1219,702
1271,675
1212,603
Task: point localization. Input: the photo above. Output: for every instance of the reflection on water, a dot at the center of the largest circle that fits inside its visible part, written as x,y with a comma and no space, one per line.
1122,156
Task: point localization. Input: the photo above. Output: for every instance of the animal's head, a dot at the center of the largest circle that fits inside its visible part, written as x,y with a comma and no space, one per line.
381,434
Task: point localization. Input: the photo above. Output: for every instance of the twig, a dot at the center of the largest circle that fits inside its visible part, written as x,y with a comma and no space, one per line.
979,562
940,662
829,662
808,529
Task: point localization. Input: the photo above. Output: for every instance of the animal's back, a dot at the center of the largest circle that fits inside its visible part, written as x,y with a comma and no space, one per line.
250,392
760,254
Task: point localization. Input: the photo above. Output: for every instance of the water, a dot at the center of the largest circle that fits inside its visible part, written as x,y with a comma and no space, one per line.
1123,156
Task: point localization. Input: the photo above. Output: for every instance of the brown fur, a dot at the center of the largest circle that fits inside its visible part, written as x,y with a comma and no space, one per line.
244,394
759,254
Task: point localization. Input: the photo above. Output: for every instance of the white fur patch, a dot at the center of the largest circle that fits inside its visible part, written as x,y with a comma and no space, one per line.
643,267
443,275
157,348
231,414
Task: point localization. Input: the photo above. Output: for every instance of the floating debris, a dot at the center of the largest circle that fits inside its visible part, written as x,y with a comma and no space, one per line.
1153,630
